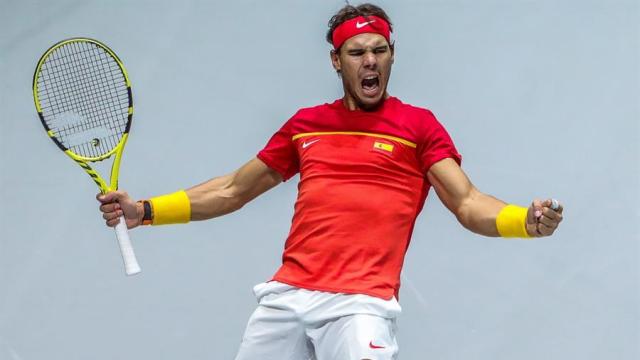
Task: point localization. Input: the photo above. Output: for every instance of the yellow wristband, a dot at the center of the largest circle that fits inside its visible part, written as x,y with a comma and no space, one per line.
171,208
511,222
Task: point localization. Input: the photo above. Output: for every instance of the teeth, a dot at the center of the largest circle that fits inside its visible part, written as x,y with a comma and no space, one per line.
370,82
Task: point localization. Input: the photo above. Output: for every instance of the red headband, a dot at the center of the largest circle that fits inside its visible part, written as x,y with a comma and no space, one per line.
360,25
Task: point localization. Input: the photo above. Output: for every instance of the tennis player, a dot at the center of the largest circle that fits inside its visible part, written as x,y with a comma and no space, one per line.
366,162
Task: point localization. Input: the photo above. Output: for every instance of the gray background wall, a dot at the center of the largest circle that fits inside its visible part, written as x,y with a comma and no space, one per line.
541,97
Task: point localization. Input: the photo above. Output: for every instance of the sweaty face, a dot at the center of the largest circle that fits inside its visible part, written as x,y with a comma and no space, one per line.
364,62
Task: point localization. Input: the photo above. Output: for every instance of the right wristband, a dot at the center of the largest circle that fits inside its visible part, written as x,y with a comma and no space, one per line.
171,208
511,222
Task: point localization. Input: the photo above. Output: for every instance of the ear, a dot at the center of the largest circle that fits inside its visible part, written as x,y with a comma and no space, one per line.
392,46
335,60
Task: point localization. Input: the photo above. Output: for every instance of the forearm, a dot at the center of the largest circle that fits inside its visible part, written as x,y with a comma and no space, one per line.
481,213
485,215
225,194
478,212
214,198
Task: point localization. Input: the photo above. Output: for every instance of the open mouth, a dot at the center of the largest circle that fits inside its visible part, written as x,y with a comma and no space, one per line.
370,84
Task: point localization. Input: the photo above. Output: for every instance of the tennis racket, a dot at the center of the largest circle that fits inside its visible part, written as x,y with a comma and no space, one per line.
83,96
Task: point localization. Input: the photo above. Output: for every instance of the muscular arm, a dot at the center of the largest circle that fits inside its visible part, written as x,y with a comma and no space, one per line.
228,193
216,197
474,210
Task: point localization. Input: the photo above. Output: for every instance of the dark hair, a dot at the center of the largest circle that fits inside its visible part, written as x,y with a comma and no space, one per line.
349,12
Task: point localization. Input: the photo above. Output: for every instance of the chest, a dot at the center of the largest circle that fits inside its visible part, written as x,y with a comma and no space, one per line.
356,153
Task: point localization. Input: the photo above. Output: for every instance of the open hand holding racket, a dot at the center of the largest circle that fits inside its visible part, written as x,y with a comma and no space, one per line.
83,96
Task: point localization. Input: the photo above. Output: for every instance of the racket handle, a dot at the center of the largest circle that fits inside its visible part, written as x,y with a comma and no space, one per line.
131,266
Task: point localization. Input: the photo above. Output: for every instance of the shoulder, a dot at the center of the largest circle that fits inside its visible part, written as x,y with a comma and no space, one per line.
314,118
412,112
316,111
418,121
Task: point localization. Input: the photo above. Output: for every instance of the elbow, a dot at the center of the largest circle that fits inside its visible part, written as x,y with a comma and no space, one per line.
234,197
463,214
238,202
464,211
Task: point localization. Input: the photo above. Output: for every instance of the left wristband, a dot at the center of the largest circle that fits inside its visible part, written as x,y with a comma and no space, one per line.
511,222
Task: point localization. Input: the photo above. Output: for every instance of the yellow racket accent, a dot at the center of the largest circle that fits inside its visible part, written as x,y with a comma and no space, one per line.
79,158
75,40
82,94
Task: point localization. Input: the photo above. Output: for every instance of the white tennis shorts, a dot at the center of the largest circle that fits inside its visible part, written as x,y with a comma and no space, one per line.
298,324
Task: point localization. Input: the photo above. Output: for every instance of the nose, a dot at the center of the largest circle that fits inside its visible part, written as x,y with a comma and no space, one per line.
369,61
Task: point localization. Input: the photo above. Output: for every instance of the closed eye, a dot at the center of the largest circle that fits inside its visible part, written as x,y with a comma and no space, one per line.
356,52
380,49
377,50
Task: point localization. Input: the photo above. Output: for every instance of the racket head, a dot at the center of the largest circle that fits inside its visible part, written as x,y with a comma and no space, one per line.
83,97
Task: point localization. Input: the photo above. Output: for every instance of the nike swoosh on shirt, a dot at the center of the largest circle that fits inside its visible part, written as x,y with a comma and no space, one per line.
375,346
360,25
307,144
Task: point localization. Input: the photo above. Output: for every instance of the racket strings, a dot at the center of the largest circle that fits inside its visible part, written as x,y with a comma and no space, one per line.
84,98
75,82
73,85
84,101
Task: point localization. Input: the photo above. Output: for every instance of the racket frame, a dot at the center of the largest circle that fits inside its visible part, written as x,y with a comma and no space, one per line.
131,265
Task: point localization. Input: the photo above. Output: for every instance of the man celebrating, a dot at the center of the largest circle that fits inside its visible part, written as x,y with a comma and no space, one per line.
366,162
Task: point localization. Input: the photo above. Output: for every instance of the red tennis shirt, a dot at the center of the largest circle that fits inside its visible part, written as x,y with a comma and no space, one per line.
362,184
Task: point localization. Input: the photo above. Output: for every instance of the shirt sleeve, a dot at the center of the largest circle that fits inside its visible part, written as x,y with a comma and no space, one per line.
280,153
437,144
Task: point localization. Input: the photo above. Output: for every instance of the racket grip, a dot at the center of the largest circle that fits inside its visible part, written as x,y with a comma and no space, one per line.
131,266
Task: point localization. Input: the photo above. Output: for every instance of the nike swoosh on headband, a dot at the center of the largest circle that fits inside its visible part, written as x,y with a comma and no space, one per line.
360,25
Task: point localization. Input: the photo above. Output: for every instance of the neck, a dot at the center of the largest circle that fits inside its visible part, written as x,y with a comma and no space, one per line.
351,104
